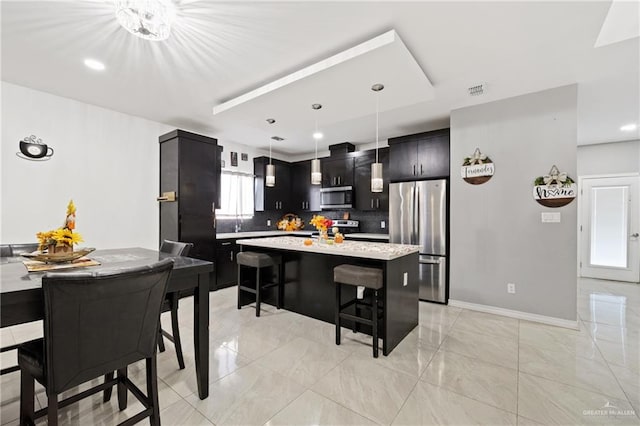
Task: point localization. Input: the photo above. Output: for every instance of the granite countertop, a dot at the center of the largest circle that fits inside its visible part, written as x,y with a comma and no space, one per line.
257,234
367,236
362,249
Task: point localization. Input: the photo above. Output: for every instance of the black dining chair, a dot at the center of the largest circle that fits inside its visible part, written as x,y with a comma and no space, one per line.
175,248
11,250
5,250
95,324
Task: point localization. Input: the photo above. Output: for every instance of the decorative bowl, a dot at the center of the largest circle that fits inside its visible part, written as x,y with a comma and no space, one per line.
58,257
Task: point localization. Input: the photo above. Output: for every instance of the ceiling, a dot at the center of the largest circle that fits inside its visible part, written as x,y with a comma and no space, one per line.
219,51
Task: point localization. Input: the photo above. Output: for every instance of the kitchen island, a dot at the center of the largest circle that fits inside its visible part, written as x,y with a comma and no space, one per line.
309,289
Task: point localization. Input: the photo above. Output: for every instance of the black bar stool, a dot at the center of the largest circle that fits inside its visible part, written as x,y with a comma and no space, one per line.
358,276
258,261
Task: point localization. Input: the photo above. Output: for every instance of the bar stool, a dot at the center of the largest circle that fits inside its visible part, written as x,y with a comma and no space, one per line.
258,261
358,276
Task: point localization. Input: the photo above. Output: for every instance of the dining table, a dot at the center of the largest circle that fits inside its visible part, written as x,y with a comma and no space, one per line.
22,297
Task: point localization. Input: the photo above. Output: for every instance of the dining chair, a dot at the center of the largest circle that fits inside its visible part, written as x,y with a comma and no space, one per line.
95,324
175,248
5,250
11,250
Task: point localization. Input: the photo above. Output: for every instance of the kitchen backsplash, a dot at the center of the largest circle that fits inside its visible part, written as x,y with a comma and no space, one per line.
369,221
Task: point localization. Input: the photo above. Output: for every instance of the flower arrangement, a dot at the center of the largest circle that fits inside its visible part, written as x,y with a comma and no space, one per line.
290,222
63,238
321,223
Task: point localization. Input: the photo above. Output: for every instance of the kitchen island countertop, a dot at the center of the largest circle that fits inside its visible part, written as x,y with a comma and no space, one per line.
362,249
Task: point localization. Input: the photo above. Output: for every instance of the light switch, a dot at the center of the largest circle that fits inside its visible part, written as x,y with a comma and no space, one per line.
550,217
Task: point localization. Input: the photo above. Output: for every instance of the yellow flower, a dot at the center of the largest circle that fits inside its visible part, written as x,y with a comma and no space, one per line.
71,208
66,237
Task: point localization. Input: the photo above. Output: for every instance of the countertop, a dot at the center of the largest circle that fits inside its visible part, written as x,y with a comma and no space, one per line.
362,249
259,234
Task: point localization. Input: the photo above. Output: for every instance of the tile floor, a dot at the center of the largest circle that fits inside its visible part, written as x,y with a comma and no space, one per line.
457,367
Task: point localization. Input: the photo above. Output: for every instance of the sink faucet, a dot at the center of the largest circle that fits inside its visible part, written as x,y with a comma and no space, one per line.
238,227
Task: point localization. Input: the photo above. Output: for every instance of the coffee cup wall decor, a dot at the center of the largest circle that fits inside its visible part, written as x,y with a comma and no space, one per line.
556,189
477,169
32,148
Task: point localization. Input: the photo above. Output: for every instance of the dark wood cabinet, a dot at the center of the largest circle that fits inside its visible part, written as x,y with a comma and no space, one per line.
419,156
190,168
337,171
304,196
365,199
226,270
278,197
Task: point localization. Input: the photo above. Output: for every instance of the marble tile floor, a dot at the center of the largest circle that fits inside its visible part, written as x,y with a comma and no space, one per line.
457,367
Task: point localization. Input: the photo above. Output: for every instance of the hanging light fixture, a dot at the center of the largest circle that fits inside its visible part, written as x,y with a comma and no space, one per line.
270,179
377,184
316,173
148,19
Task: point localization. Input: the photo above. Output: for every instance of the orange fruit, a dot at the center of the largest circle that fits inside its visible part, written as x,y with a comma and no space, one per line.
308,242
338,239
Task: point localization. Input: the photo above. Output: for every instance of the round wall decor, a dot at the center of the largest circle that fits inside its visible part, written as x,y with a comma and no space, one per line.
477,169
555,189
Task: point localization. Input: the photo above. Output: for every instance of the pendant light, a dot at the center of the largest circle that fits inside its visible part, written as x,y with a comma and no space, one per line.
270,179
377,184
316,173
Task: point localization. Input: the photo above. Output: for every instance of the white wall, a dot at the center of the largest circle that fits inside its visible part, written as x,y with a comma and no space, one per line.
609,158
106,161
496,233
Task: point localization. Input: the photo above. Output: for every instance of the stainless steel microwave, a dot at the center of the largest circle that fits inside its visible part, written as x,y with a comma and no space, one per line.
338,197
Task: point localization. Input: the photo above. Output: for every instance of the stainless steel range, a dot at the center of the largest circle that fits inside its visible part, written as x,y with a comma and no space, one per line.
345,226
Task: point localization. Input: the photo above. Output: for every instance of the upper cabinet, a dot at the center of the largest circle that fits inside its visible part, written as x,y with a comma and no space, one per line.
419,156
304,196
275,198
365,199
337,171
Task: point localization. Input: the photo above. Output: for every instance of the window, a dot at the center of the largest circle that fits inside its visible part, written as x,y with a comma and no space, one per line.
237,195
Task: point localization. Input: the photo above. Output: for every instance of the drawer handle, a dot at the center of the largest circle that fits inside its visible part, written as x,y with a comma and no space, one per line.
226,244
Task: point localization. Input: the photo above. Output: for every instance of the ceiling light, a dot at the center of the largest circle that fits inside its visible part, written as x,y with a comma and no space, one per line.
148,19
316,170
377,184
629,127
270,177
94,65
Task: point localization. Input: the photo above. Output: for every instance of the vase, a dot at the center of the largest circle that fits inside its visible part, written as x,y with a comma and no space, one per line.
323,237
59,249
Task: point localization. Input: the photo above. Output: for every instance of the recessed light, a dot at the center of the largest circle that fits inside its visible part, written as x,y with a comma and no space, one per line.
317,135
94,65
629,127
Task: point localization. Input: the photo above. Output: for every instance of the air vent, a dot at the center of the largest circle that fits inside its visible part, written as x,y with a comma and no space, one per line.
277,138
477,90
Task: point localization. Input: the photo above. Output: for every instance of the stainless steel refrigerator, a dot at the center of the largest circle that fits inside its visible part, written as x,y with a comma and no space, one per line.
418,215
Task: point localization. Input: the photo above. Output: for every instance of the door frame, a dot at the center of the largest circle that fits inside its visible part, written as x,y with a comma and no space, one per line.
581,206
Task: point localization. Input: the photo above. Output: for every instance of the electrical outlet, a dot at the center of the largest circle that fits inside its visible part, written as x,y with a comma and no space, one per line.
268,222
405,279
511,288
383,224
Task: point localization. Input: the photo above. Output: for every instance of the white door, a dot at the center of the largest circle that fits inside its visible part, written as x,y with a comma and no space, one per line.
609,227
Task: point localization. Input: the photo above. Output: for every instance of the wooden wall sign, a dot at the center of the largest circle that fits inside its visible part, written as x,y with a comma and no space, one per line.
555,189
477,169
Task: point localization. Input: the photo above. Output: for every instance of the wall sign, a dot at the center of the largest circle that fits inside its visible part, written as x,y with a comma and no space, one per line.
32,148
555,189
477,169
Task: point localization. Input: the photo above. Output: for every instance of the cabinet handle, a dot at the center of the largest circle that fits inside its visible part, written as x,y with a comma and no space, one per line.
231,256
303,205
421,169
377,203
307,203
372,203
339,180
414,169
228,243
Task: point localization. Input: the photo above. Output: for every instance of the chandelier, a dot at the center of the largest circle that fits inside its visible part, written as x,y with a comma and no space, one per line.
148,19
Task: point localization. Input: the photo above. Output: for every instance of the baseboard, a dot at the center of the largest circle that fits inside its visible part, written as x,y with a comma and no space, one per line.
558,322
